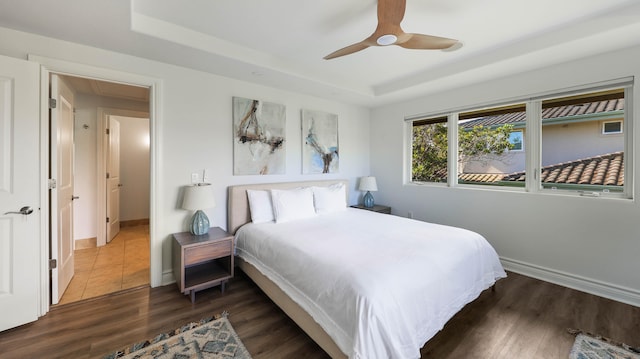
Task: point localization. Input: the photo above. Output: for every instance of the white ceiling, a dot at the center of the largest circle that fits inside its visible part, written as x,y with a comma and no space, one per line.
108,89
282,43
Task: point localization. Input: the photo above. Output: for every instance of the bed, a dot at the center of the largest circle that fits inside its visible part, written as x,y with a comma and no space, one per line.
361,284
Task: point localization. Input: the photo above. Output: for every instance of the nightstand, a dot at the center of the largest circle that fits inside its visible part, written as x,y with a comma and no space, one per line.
375,208
201,262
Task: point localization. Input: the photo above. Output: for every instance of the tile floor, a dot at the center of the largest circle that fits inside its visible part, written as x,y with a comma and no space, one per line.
122,264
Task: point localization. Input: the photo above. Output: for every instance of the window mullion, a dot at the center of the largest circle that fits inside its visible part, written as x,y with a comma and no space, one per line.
452,138
534,146
628,142
408,153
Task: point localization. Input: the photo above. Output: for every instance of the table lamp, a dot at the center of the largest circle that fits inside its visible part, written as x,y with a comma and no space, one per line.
197,198
368,184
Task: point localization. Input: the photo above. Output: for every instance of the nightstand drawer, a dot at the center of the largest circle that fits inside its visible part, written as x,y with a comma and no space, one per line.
205,252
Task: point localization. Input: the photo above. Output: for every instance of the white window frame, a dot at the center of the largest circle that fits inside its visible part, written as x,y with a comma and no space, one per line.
533,138
408,153
604,132
627,191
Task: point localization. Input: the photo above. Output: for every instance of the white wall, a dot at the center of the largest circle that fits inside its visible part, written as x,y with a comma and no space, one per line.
134,168
195,128
591,243
562,143
84,141
84,225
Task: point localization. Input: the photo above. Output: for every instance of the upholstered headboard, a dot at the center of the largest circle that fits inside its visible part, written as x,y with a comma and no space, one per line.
238,204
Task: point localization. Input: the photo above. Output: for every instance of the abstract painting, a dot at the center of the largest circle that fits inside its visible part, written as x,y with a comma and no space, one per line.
319,142
259,137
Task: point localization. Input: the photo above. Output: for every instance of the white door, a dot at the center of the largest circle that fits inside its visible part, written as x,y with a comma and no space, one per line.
113,178
62,197
19,188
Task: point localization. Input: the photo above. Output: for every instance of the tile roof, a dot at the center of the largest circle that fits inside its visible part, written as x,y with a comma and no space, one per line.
607,169
481,177
550,113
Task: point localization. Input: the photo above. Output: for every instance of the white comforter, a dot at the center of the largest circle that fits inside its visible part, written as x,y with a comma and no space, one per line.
379,285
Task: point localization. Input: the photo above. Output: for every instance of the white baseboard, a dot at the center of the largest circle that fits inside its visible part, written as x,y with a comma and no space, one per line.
167,277
592,286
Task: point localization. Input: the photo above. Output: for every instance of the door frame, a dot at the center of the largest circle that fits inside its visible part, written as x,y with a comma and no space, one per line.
50,65
101,165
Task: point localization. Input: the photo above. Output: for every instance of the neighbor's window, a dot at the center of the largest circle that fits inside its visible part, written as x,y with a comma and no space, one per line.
486,145
574,153
611,127
516,138
429,150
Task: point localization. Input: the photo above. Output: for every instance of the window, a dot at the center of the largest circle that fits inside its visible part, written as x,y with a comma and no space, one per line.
577,142
516,138
611,127
429,150
487,145
574,154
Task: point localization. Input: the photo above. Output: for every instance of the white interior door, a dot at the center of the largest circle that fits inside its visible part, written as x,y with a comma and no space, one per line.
62,197
113,178
19,188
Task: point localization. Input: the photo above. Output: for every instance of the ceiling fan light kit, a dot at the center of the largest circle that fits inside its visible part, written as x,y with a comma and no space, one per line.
388,32
386,40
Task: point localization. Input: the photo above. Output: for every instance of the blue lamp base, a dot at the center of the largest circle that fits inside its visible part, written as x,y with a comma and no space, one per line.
199,223
368,200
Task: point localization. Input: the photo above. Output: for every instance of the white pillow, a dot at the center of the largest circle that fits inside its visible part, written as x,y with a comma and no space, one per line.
330,199
292,204
260,206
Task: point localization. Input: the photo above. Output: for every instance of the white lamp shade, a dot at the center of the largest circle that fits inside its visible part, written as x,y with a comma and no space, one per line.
199,197
368,184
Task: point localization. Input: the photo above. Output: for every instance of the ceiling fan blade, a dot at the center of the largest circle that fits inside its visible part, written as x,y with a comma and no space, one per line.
427,42
391,12
389,32
348,50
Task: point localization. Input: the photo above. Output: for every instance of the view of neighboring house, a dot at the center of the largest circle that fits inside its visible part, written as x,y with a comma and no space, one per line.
582,144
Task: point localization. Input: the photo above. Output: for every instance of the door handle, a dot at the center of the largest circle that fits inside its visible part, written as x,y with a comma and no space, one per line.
74,197
26,210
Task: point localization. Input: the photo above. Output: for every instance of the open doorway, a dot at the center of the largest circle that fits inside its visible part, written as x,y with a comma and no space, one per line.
106,199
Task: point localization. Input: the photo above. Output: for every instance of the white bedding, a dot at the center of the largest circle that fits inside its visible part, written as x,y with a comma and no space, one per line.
379,285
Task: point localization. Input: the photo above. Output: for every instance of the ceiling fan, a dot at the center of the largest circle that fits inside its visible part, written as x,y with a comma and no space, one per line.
389,32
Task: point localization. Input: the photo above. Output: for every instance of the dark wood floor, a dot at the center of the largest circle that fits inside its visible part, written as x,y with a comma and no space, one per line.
524,318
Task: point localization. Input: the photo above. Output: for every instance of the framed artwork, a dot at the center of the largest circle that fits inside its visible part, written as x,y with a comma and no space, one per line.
259,137
319,142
